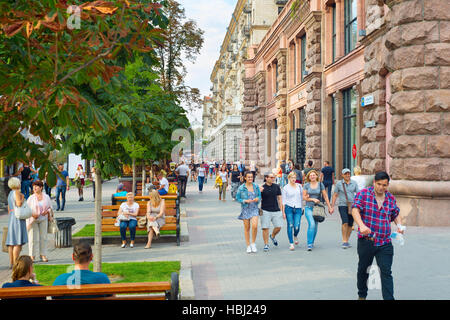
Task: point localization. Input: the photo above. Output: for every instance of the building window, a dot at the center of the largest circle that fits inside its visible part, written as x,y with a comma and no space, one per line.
349,127
350,25
333,131
333,41
303,52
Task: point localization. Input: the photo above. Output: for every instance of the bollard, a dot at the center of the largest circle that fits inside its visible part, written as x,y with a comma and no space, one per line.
63,236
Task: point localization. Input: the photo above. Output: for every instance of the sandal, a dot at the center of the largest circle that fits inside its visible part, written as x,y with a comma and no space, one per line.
44,259
147,247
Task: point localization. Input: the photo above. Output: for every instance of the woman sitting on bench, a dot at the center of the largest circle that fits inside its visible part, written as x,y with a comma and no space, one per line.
156,218
126,215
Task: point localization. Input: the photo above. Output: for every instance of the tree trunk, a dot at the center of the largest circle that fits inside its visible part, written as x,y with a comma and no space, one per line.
98,222
133,189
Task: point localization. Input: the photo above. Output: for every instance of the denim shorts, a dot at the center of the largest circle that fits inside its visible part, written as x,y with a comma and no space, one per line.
275,217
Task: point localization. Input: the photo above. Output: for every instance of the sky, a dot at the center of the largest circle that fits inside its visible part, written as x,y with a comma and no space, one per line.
213,17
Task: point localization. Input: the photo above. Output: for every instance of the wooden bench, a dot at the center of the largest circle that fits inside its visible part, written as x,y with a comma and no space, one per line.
152,291
109,214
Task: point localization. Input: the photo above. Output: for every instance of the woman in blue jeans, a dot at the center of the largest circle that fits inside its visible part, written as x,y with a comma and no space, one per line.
127,214
313,192
292,202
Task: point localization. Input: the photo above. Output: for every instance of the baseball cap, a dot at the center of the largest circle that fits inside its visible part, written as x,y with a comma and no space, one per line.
344,171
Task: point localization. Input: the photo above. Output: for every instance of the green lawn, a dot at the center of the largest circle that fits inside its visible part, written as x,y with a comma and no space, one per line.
117,272
89,231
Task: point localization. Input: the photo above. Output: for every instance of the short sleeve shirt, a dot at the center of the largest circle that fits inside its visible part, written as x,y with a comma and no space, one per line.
131,209
269,197
352,189
378,220
327,174
313,193
60,182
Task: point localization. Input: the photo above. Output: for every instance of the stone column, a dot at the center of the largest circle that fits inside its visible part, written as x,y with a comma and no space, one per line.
339,28
281,105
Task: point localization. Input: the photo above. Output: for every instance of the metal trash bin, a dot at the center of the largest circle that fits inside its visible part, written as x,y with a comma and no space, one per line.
63,236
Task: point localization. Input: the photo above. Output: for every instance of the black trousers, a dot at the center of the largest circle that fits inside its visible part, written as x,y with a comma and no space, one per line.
384,255
182,181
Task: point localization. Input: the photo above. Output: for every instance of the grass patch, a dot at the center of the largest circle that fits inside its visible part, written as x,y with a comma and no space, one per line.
89,231
117,272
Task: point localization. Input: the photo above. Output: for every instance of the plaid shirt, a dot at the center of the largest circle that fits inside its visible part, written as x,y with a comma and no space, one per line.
378,220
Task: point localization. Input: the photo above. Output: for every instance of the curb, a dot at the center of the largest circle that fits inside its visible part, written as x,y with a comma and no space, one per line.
186,282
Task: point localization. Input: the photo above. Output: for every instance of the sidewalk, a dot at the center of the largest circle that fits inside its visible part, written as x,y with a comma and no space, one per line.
221,268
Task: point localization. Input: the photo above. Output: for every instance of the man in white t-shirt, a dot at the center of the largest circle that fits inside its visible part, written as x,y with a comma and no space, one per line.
183,173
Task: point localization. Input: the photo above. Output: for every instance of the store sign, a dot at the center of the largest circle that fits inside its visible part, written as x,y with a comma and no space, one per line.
367,100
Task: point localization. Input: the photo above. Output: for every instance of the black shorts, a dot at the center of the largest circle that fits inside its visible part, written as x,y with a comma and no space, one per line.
346,218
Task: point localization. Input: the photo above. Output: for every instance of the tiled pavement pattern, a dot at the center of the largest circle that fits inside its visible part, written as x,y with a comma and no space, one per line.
221,268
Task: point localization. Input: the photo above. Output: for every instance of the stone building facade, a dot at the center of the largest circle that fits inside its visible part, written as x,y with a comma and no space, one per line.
249,23
358,83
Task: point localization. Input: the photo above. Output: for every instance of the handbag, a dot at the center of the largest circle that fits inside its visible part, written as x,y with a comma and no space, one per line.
319,213
142,222
52,227
23,212
349,204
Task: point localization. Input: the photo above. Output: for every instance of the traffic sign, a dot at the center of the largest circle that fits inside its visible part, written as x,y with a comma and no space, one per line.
354,151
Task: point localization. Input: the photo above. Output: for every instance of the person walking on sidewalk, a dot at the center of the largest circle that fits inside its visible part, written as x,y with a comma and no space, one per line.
61,186
79,181
327,177
182,172
345,192
374,208
292,201
37,225
17,229
236,178
249,196
225,177
271,202
313,193
201,174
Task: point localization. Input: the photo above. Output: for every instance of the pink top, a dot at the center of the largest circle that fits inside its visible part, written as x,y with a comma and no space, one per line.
38,206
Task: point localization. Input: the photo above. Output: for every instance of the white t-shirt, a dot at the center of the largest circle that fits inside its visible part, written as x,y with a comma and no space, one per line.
201,171
360,181
293,197
164,182
182,170
223,175
130,209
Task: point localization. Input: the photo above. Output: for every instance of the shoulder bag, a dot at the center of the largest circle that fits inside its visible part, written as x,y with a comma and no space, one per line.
319,213
349,204
51,227
23,212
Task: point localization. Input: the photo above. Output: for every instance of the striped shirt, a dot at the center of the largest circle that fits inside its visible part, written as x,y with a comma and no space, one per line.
378,220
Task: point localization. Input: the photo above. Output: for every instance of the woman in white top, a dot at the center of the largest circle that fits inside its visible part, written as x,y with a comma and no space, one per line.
127,214
358,178
41,208
292,196
225,176
79,181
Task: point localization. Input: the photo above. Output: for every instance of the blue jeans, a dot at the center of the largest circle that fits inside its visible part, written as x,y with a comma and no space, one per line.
60,190
162,192
293,217
201,180
131,224
312,226
328,185
25,188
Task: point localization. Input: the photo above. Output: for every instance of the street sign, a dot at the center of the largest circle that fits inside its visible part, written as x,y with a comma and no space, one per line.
370,124
354,151
367,100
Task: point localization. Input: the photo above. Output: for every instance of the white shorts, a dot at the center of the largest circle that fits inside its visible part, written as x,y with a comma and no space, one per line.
275,217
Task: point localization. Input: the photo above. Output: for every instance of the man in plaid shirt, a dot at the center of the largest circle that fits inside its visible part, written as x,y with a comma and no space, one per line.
374,209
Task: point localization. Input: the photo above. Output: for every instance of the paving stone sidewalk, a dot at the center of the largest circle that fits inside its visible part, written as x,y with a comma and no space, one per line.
221,268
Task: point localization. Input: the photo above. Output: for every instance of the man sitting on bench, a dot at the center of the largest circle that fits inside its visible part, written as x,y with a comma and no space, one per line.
163,183
82,256
120,192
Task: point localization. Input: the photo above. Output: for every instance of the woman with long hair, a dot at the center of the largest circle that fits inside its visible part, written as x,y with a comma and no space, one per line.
292,201
22,274
156,209
225,177
79,181
249,195
313,192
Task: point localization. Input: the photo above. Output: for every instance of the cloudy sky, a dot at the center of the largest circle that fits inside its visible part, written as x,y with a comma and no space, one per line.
213,17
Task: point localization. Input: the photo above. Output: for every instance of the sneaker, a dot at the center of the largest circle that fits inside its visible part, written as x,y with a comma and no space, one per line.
249,249
274,241
291,247
131,245
296,240
123,245
266,248
253,246
344,245
310,246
